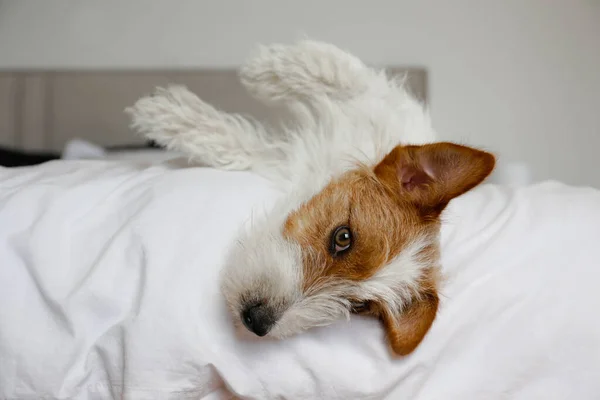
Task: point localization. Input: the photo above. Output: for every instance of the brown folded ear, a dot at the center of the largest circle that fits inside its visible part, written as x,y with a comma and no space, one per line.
424,179
406,327
406,330
433,174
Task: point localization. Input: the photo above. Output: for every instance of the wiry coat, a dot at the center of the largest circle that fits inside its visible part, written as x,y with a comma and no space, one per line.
344,160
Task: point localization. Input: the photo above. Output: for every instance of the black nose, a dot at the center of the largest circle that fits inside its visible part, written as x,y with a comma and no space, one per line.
258,319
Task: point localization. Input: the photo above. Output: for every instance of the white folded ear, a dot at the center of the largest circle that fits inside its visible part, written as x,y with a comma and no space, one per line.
431,175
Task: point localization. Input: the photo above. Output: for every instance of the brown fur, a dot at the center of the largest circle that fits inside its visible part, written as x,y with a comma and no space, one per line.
387,207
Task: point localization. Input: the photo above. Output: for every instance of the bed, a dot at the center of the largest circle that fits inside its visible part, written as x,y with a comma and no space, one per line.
109,273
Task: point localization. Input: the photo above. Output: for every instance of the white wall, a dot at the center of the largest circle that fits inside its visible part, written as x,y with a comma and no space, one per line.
520,77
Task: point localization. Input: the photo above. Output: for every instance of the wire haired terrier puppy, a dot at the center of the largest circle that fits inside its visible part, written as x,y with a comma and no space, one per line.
357,230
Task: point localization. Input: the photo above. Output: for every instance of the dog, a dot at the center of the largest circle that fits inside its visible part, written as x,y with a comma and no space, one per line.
364,185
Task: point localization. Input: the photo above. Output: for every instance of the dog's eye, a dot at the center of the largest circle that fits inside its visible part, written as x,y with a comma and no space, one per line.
341,240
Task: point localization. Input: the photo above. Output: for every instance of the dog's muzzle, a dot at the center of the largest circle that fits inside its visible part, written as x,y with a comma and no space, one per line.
258,318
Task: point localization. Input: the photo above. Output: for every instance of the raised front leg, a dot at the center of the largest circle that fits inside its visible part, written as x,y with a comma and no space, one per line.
177,119
305,71
334,84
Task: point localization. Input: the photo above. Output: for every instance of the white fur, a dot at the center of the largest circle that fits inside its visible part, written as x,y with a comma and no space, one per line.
344,113
269,267
177,119
396,283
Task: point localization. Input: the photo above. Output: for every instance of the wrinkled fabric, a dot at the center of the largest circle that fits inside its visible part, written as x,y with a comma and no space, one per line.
109,289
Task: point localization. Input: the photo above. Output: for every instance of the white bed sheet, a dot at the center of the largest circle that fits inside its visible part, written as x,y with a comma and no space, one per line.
109,289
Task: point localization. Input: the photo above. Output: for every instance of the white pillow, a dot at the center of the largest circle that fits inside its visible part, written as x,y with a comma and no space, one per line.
109,287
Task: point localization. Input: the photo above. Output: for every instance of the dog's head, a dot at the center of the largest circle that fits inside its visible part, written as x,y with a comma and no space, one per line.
367,242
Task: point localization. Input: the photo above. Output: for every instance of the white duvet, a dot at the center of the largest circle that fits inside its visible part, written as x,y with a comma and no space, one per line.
109,289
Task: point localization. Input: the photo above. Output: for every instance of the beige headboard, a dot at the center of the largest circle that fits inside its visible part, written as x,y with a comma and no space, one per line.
42,110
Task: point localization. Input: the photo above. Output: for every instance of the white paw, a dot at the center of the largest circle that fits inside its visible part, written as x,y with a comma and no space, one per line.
167,113
179,120
308,68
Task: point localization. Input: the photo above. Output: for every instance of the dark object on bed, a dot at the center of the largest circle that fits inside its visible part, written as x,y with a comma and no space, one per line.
149,145
16,158
19,158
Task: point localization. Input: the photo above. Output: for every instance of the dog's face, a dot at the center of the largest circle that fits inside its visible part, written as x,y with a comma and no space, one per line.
366,242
